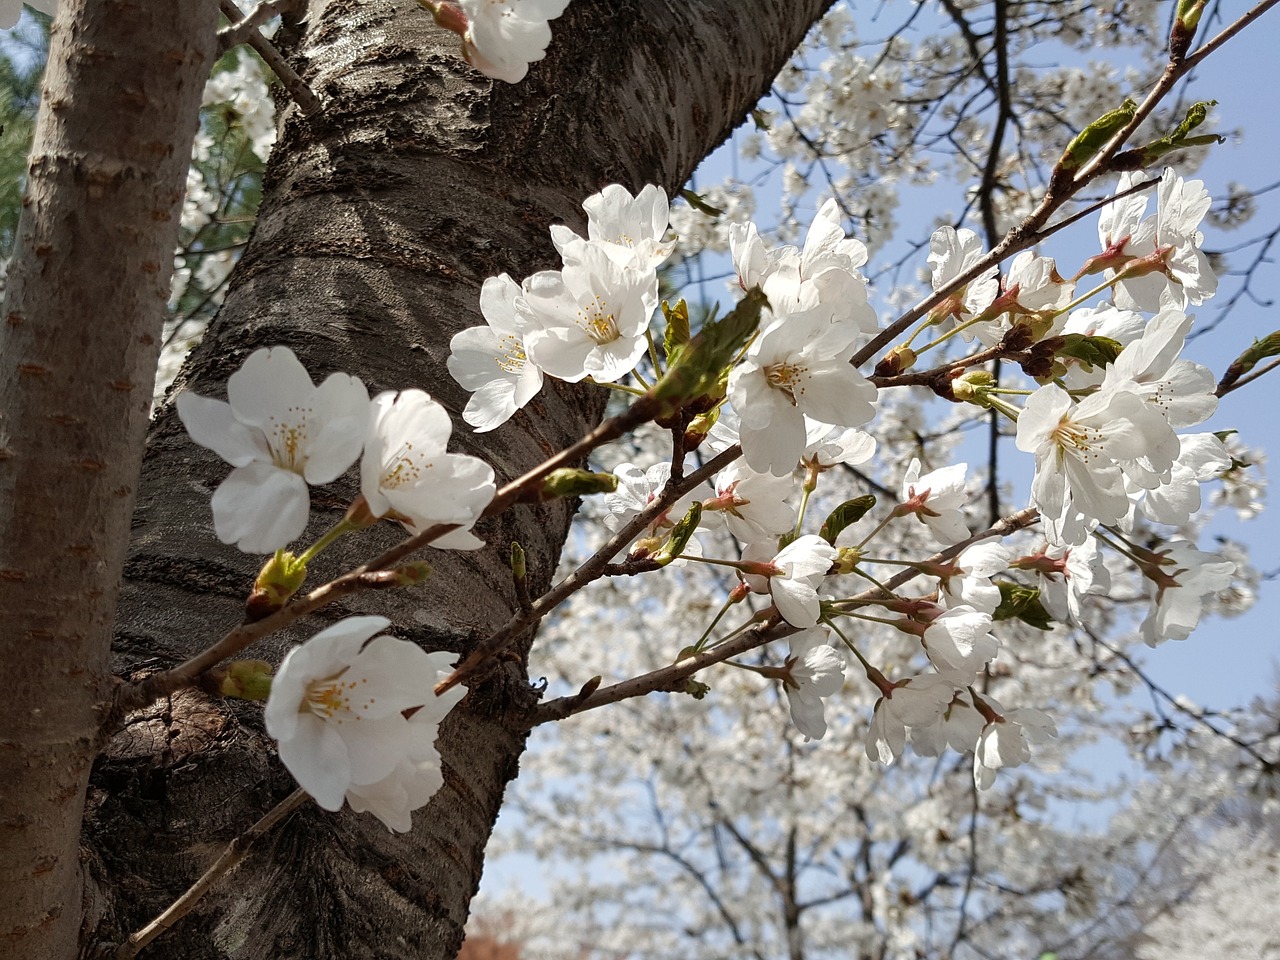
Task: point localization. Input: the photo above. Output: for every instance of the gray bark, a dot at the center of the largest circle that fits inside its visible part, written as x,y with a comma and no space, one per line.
381,218
83,310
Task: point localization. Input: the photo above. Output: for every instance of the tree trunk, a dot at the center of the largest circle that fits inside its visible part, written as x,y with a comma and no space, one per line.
83,309
380,220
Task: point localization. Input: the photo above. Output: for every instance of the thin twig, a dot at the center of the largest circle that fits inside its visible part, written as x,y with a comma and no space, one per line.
302,94
238,33
592,570
1223,390
235,852
673,676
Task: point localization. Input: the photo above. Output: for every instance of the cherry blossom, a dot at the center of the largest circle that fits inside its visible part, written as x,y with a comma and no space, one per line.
793,578
636,490
935,500
629,229
1181,390
1079,479
406,474
918,701
417,777
1006,741
753,505
959,644
814,671
337,708
951,253
969,582
502,37
589,319
957,727
1182,579
280,432
1170,268
1066,575
491,361
1201,457
798,367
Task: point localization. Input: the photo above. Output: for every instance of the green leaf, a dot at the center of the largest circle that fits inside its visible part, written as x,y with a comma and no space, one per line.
681,534
700,364
1181,138
1094,137
677,332
845,515
1091,351
1021,603
700,204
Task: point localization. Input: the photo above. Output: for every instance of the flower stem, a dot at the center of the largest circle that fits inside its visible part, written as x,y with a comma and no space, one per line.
326,539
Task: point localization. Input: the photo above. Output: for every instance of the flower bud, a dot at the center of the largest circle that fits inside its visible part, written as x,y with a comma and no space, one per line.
568,482
278,580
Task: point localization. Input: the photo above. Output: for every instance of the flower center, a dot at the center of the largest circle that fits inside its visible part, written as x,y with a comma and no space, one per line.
403,468
598,323
786,376
288,439
1076,436
511,358
332,698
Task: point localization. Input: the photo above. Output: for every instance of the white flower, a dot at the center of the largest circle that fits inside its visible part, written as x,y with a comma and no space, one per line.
504,36
636,490
407,475
337,708
280,432
1006,741
798,367
753,504
1173,268
826,446
417,777
824,273
1035,286
951,253
1078,480
959,644
969,582
589,319
1067,574
1181,390
918,701
1202,457
935,499
1182,579
629,229
490,361
957,727
796,573
814,670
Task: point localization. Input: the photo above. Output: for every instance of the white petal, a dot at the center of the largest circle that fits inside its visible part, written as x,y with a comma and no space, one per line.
260,508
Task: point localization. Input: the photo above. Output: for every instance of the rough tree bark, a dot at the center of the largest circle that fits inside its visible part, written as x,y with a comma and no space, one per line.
83,313
381,218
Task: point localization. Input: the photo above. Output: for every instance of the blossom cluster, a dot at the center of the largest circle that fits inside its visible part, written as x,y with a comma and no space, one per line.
355,714
283,433
1102,426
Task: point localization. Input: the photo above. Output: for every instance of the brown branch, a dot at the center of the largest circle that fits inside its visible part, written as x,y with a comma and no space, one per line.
238,33
302,94
674,676
595,567
231,857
